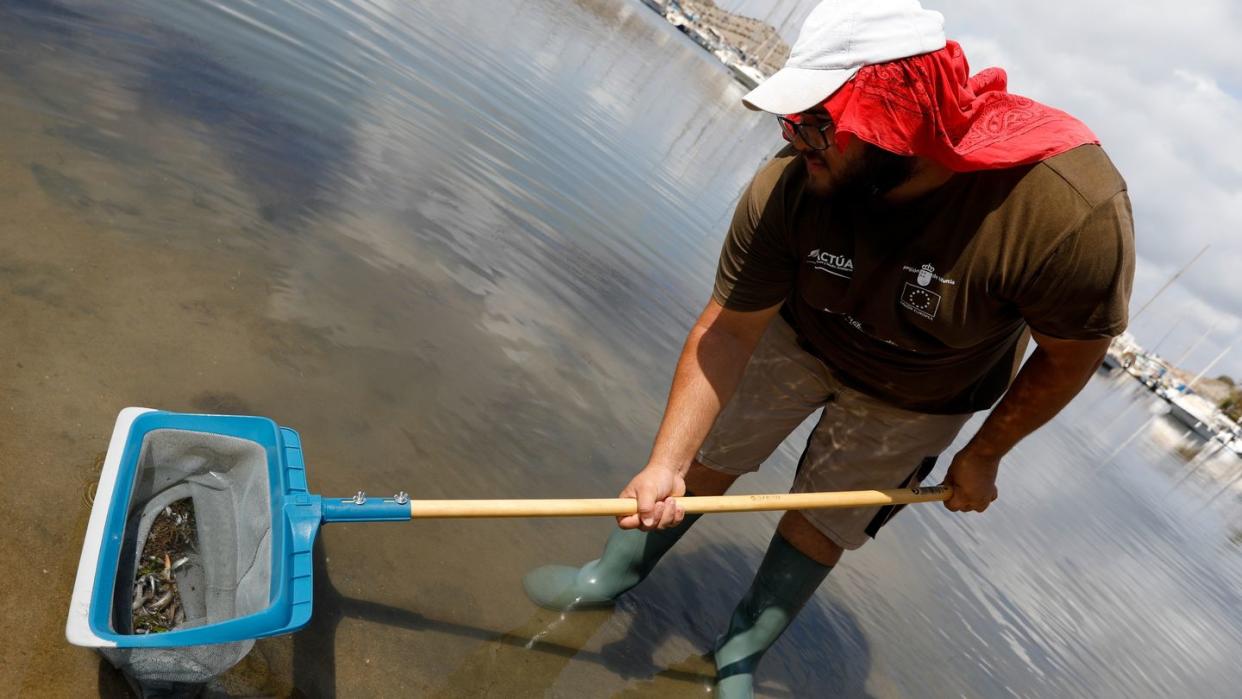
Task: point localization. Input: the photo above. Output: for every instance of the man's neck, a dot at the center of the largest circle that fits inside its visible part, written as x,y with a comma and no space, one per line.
928,176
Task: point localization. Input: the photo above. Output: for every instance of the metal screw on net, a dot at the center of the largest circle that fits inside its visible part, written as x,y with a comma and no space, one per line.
401,498
360,498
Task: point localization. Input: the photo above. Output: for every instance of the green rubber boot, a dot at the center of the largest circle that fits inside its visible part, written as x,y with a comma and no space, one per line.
785,581
629,556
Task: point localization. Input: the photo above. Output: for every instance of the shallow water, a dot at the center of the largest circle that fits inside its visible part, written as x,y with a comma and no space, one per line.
457,246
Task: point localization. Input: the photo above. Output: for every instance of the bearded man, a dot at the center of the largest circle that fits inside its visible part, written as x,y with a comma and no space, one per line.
888,267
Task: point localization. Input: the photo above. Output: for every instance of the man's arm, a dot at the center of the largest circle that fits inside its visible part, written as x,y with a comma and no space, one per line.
711,365
1055,373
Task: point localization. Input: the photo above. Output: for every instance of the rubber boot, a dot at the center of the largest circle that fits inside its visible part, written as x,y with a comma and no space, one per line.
629,556
785,581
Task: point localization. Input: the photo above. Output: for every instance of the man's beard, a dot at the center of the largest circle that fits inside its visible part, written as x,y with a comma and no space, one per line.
875,173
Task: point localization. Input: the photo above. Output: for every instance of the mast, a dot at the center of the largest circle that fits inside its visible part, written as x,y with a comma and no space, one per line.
1208,368
1156,347
1196,343
1170,281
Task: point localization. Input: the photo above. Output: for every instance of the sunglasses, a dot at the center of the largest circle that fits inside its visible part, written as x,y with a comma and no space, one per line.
812,135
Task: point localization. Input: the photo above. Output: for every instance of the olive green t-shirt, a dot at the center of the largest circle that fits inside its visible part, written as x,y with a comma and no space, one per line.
926,305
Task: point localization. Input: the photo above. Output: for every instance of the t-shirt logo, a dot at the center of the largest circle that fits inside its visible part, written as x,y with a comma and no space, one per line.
918,298
836,265
924,302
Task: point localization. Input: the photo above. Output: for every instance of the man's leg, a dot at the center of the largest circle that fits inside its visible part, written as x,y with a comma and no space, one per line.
859,443
702,480
629,556
809,541
797,561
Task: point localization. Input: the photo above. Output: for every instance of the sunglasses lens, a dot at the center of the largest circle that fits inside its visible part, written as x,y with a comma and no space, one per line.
787,129
811,134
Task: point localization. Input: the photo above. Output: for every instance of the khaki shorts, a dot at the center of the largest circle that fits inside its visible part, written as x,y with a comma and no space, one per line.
860,443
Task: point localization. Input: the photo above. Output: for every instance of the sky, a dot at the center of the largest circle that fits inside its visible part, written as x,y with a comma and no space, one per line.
1160,83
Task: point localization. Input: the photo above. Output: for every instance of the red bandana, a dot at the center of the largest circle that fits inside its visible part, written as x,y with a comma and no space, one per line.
927,106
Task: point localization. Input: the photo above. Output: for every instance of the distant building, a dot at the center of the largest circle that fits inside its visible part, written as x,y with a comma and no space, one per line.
756,42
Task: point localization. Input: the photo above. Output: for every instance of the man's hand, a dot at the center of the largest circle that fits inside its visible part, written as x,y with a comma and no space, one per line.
973,477
654,487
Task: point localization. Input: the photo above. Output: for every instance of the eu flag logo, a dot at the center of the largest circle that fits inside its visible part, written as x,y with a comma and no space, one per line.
922,301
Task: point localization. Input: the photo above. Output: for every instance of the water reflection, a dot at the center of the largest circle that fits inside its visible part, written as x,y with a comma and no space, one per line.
290,167
291,149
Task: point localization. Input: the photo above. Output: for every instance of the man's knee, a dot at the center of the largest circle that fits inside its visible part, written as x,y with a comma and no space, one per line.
803,535
701,480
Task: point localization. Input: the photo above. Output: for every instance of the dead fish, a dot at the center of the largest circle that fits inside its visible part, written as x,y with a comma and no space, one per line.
141,595
180,562
163,601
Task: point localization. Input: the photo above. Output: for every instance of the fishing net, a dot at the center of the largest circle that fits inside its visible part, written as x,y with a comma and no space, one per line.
227,574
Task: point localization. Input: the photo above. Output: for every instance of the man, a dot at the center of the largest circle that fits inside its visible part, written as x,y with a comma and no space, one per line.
889,267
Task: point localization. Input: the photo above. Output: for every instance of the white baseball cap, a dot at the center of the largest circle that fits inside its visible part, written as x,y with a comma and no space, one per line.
838,38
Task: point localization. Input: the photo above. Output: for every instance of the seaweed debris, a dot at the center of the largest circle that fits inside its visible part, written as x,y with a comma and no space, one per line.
170,544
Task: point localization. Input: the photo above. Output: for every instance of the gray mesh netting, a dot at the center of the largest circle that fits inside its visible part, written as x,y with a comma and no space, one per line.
229,573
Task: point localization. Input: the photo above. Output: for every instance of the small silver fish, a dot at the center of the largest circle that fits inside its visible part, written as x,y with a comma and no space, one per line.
141,595
163,601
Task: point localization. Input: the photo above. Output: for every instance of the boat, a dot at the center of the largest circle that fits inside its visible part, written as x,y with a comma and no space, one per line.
748,75
1111,361
1193,411
1202,416
676,18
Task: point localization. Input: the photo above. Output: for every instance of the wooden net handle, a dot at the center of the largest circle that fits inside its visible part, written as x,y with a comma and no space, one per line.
617,507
